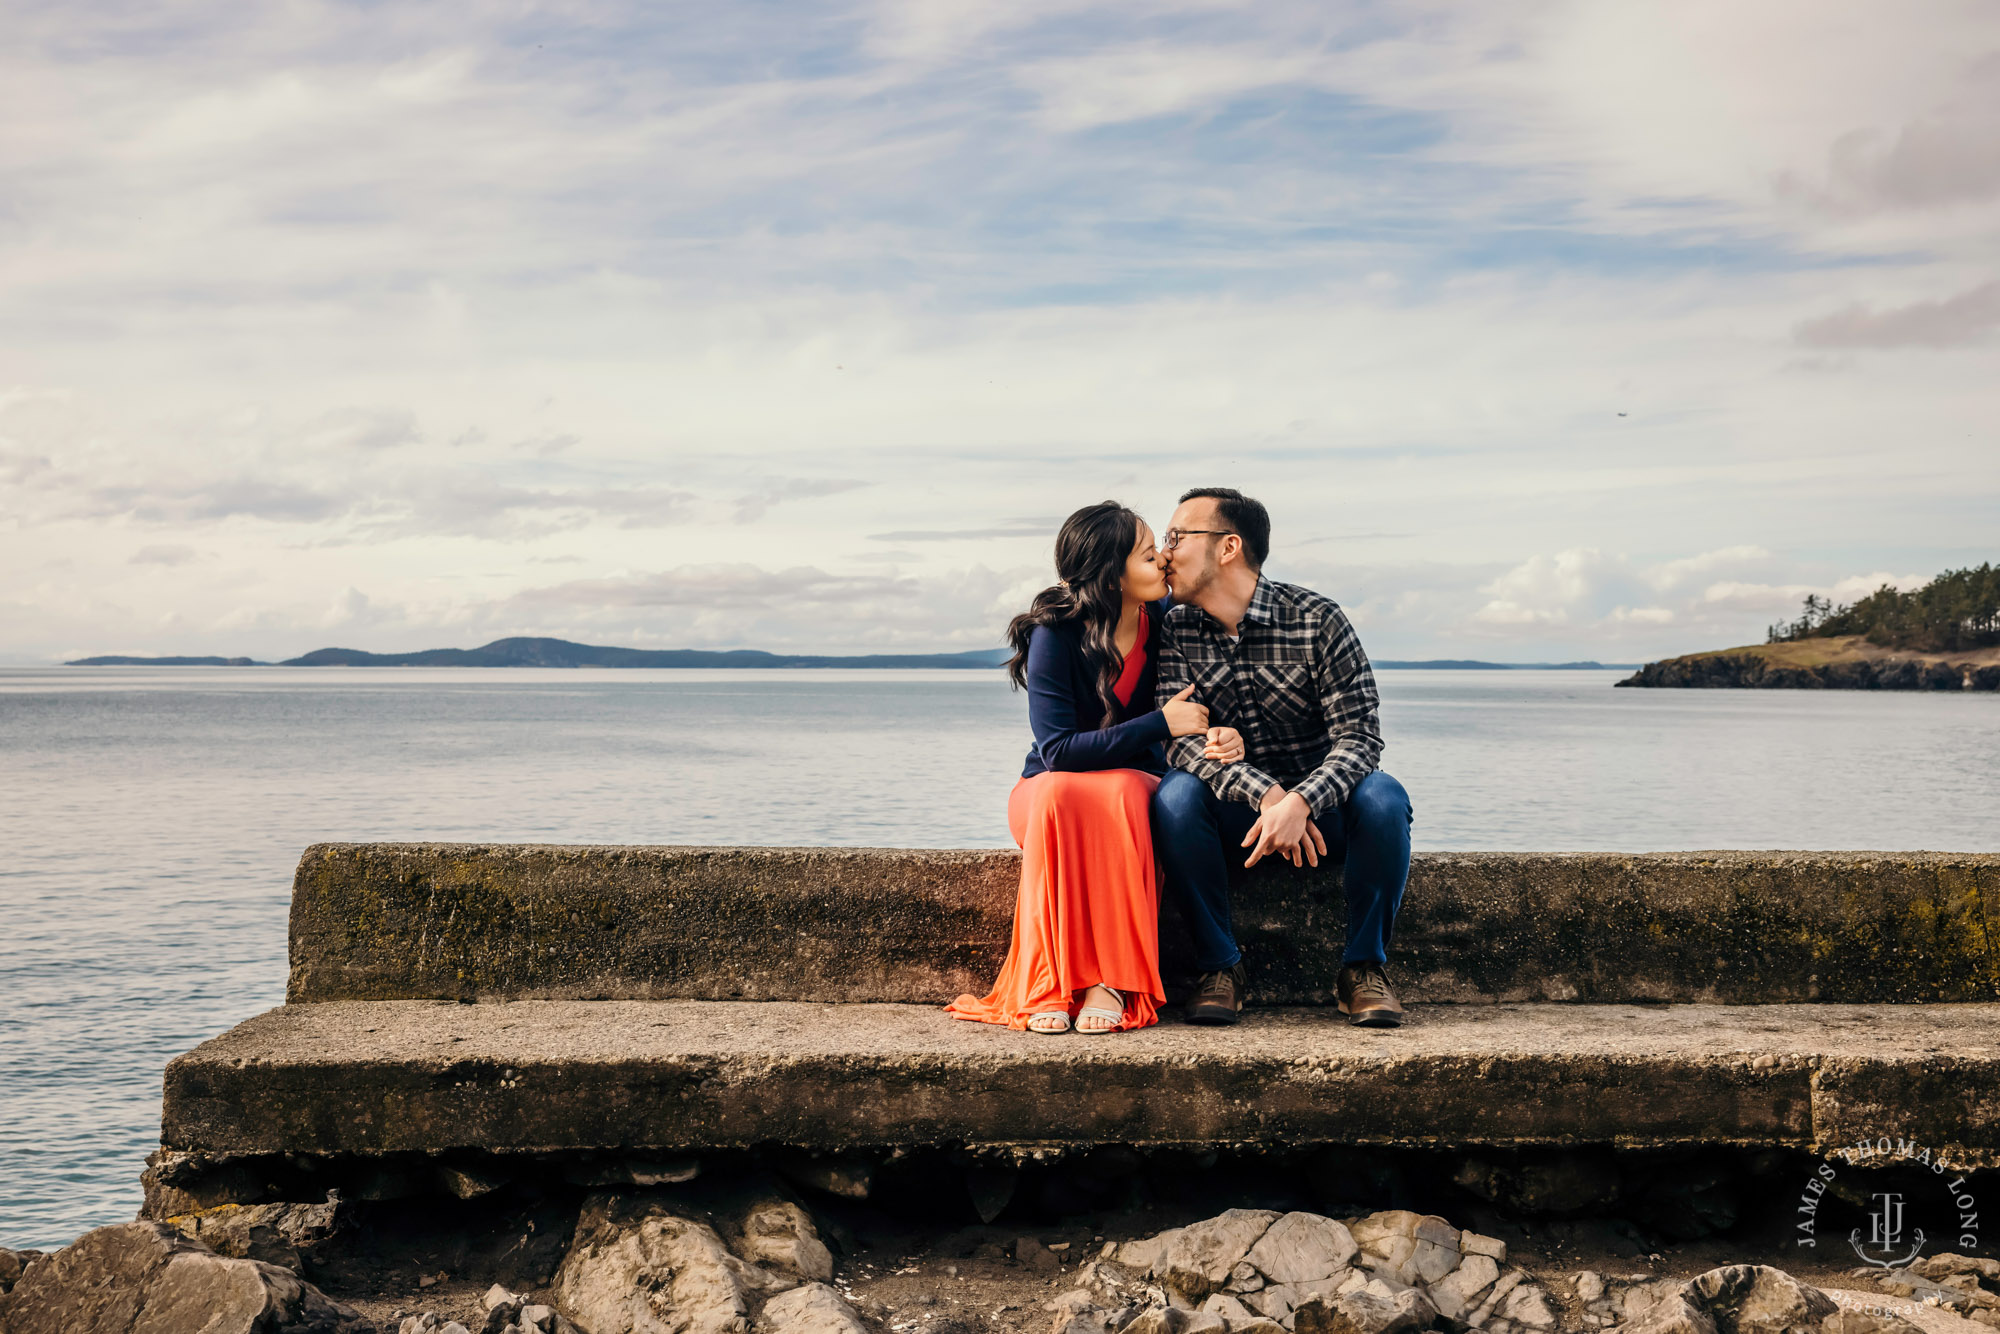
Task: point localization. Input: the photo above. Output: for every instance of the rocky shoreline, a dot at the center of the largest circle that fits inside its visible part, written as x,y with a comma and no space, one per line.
752,1252
1751,671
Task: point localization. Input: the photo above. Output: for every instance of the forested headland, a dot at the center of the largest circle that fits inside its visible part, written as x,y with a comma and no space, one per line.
1943,636
1959,609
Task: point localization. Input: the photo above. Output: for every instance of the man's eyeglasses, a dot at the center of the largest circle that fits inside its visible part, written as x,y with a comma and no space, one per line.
1174,535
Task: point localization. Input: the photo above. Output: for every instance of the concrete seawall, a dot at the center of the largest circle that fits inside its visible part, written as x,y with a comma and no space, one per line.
517,922
462,1016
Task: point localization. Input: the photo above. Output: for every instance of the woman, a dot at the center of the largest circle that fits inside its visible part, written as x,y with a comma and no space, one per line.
1086,946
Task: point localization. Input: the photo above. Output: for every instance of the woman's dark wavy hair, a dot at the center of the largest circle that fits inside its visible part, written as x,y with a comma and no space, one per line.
1091,551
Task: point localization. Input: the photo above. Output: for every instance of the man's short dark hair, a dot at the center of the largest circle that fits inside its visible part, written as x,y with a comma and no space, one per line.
1246,517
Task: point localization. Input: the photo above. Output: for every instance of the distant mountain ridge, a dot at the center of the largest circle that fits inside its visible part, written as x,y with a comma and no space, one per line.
530,651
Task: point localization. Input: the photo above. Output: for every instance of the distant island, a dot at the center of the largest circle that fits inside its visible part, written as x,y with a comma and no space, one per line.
535,652
1943,636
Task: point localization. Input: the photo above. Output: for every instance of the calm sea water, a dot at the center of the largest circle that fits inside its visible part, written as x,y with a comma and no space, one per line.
150,819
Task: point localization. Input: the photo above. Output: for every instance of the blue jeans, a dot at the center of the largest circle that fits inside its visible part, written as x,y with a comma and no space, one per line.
1196,834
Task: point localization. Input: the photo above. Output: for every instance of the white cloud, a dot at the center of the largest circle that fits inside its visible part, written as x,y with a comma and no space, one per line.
419,300
1954,321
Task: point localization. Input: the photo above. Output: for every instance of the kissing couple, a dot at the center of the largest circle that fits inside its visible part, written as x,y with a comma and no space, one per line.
1186,710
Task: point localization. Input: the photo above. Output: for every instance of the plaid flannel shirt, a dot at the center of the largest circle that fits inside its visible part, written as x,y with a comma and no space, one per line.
1296,685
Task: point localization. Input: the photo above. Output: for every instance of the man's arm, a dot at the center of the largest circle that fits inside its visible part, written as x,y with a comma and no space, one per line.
1241,781
1349,703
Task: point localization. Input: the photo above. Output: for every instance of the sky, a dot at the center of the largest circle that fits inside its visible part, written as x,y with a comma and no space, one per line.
1545,330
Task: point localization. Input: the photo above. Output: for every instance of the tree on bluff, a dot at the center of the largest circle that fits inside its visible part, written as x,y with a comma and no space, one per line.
1959,609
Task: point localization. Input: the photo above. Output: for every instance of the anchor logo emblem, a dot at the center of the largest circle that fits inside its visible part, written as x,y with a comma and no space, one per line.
1885,1234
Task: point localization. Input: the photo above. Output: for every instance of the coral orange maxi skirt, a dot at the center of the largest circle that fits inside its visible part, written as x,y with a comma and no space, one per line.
1089,907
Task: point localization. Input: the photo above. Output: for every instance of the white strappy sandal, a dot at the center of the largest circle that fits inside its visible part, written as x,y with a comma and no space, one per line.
1049,1021
1111,1018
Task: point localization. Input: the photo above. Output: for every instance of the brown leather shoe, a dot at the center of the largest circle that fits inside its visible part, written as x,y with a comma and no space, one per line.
1218,997
1365,997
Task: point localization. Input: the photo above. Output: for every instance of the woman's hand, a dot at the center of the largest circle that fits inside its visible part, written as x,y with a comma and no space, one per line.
1184,716
1224,744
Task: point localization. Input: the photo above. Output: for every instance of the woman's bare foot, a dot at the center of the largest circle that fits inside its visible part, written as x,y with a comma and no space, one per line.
1102,998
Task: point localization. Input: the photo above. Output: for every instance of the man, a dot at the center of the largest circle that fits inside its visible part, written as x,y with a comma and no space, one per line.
1282,665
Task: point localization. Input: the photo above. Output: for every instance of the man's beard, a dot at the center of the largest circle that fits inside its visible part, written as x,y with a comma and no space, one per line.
1188,583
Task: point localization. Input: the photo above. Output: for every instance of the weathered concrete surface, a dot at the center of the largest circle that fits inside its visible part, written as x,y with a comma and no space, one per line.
399,921
541,1076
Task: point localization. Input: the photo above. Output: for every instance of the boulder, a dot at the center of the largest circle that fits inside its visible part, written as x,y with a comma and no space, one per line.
1146,1253
1757,1299
780,1233
289,1235
1867,1322
102,1282
1175,1320
1528,1305
1199,1258
1300,1247
1459,1291
638,1265
1232,1311
1673,1314
1365,1310
812,1309
1948,1263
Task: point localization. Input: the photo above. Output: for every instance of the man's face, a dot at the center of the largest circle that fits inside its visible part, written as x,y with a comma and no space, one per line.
1191,566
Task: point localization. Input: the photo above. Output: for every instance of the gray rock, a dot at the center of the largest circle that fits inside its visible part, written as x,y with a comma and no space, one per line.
1947,1263
1277,1301
1199,1259
102,1282
1146,1253
1300,1247
1867,1322
780,1233
1528,1305
1232,1311
639,1267
1364,1311
1473,1243
290,1235
1458,1292
1673,1314
1912,1284
1243,1277
1507,1282
812,1309
1757,1299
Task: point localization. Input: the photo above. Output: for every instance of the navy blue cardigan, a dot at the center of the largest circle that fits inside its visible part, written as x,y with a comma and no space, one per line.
1068,719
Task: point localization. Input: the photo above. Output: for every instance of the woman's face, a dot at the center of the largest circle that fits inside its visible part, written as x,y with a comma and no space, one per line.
1144,579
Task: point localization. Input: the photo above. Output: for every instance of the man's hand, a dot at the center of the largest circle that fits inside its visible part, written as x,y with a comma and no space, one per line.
1225,744
1285,826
